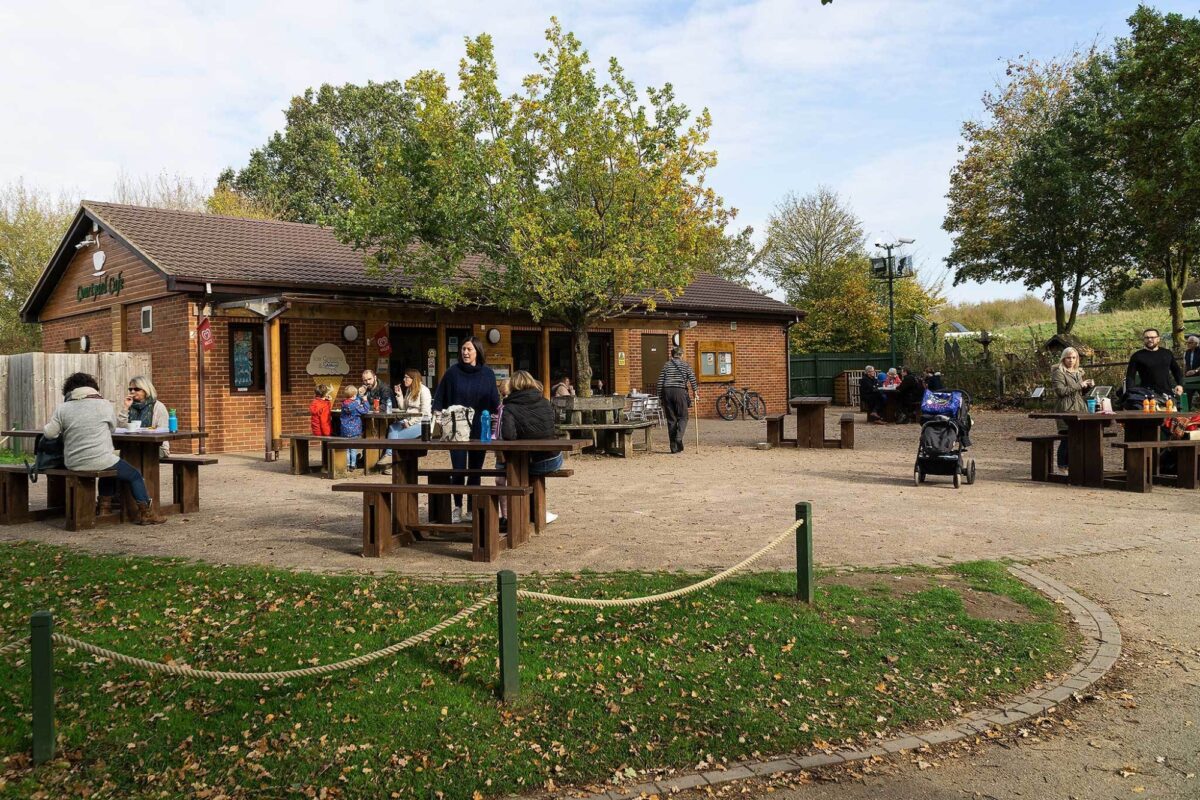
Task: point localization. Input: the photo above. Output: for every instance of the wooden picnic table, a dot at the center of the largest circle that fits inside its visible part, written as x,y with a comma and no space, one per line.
141,451
810,420
375,426
1085,439
406,457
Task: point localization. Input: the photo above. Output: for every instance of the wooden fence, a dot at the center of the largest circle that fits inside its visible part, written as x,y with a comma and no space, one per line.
31,384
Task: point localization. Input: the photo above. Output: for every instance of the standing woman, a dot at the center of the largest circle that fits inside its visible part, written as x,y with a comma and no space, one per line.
141,404
1068,384
472,384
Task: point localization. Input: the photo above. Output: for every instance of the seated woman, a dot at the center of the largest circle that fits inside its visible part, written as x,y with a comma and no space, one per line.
141,405
529,415
85,422
892,380
414,401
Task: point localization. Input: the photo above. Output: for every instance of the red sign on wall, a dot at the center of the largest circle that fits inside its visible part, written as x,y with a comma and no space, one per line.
382,342
204,329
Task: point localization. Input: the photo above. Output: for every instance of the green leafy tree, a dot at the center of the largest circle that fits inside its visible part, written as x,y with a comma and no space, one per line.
31,225
1036,197
580,197
735,258
293,175
1156,135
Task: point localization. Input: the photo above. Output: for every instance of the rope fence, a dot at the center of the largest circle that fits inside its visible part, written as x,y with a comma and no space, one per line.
43,637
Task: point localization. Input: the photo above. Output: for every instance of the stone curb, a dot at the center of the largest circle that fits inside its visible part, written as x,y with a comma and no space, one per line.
1101,648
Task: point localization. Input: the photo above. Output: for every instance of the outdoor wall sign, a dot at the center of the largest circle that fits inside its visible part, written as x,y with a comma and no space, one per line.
106,285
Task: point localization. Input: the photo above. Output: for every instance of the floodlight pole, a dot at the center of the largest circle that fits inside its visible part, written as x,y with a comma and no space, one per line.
891,279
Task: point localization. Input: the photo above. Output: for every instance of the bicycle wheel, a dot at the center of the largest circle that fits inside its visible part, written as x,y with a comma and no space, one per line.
755,405
727,407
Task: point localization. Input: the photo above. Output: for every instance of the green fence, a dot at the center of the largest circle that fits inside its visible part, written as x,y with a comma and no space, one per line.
813,373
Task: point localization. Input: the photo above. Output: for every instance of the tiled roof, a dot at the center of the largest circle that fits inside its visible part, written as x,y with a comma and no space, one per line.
207,247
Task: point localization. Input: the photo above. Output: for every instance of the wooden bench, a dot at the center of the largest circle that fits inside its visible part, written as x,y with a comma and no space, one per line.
614,438
14,495
1041,459
79,497
1139,463
300,452
185,480
377,513
777,438
439,505
537,503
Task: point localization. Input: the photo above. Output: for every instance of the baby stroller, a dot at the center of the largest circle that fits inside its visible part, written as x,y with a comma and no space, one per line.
945,437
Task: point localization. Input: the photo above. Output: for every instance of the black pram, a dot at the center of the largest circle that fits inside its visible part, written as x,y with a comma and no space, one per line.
945,437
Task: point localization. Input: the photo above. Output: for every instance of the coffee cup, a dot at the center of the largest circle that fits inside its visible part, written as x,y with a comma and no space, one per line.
1091,401
135,424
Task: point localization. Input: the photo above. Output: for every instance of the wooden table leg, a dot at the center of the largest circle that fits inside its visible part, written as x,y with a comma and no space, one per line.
516,469
14,498
405,519
371,457
1085,454
56,492
377,524
537,503
143,456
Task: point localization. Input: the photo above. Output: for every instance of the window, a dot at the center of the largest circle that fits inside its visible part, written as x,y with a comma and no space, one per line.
147,319
74,345
716,361
246,368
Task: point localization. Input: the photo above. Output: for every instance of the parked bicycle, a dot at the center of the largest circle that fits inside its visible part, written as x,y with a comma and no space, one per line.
741,401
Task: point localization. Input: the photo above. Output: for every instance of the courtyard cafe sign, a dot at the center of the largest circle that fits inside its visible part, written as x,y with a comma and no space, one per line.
101,284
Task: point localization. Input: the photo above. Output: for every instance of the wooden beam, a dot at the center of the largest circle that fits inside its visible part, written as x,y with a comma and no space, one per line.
545,359
276,379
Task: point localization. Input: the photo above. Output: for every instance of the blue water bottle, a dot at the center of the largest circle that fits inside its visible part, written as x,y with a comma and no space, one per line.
172,421
485,426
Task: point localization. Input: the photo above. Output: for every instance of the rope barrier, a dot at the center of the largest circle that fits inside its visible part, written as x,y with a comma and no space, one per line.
323,669
656,598
14,646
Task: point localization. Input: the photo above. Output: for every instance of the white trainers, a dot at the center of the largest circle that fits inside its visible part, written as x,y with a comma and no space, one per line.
456,516
550,517
466,516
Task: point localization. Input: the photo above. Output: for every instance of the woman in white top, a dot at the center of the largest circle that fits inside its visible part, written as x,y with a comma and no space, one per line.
141,405
414,401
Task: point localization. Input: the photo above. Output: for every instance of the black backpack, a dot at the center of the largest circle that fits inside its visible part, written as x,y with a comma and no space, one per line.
47,454
1136,395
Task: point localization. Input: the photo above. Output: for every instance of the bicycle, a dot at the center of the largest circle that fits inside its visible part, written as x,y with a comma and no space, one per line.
743,401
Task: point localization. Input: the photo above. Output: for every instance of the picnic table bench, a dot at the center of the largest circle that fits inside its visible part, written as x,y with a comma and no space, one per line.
1041,463
1139,463
69,493
614,438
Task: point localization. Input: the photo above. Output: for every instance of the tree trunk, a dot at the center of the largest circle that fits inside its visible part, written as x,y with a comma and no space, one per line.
1060,308
1176,277
583,365
1076,292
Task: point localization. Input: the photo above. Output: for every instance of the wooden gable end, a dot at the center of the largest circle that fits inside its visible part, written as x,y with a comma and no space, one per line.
124,277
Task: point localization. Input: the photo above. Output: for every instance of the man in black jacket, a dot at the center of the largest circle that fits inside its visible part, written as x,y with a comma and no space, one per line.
868,389
1154,367
909,395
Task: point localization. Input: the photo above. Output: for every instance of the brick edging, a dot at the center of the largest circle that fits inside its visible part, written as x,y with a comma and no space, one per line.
1101,648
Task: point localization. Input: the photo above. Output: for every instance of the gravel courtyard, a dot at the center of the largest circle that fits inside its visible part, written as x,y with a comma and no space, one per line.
706,508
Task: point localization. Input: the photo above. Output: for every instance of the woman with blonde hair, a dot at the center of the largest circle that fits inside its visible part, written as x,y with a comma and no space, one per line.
1068,384
529,415
413,401
141,405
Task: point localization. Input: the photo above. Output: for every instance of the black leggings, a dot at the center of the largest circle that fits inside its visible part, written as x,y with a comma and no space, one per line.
465,459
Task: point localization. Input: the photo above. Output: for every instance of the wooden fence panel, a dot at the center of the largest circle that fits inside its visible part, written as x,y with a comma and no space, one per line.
3,395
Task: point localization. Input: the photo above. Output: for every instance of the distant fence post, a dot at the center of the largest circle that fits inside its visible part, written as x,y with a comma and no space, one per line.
42,666
804,554
510,679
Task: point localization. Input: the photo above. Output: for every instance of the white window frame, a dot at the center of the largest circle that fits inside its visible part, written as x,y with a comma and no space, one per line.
147,319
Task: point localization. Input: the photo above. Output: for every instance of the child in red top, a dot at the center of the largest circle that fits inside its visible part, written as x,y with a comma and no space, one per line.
320,410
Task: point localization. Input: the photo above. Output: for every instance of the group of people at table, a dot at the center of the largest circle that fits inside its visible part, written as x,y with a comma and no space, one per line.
904,385
515,408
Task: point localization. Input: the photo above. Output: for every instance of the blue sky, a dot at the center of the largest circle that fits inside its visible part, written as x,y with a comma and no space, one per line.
865,96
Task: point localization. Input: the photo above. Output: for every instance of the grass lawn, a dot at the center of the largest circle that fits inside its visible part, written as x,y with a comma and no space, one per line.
736,671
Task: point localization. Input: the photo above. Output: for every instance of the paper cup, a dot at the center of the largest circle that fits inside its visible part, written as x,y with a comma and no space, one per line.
134,424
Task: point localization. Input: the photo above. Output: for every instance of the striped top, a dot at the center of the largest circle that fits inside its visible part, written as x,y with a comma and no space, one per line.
676,374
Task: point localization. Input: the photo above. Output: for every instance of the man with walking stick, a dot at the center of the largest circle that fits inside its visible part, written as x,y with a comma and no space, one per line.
673,384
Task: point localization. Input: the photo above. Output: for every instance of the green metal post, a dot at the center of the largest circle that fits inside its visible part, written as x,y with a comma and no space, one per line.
805,585
42,664
510,679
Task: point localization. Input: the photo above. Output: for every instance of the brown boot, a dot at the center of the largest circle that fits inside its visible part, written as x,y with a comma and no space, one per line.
104,506
146,515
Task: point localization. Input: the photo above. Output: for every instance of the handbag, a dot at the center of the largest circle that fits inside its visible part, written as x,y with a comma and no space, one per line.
453,424
47,454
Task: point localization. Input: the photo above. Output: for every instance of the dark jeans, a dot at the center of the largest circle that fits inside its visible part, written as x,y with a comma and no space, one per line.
126,473
1062,455
675,404
546,466
874,403
465,459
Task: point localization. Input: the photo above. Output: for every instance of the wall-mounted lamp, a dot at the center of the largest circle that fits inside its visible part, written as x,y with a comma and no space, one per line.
85,343
493,336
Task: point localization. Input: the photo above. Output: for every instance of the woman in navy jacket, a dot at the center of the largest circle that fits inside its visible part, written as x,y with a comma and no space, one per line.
472,384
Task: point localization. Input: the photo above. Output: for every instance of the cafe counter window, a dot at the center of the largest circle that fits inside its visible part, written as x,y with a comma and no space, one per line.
717,361
246,364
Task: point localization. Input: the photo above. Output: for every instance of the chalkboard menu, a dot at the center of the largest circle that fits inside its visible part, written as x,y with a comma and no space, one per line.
243,360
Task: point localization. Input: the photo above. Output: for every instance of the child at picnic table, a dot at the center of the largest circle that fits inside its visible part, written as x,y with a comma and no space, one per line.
320,412
353,407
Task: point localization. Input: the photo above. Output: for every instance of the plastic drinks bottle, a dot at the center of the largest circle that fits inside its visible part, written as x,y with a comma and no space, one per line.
172,421
485,426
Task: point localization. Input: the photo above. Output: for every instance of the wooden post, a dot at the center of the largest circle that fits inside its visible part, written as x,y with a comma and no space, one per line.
804,554
510,679
276,378
41,627
545,359
441,353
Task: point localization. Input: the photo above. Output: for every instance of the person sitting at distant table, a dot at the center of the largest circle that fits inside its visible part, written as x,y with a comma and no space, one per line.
868,388
562,388
908,396
1154,367
141,405
414,401
933,380
892,380
1191,357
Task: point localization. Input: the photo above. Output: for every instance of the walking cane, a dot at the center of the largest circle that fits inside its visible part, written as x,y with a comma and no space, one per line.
697,405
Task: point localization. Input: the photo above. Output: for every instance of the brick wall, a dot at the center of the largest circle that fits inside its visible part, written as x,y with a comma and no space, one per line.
761,359
96,326
172,356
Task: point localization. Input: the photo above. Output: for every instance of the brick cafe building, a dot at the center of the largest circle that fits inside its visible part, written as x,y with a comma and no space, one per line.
242,317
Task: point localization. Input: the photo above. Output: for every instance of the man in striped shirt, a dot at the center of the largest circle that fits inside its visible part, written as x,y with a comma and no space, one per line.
672,389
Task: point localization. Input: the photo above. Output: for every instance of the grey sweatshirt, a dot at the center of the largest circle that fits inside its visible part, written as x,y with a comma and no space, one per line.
85,421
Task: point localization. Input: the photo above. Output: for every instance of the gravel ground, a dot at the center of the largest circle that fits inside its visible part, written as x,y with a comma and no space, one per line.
703,509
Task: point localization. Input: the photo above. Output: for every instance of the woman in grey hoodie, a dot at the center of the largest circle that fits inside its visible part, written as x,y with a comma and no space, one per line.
85,421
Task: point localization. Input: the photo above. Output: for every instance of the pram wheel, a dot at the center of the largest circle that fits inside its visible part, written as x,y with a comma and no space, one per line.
971,472
918,477
957,480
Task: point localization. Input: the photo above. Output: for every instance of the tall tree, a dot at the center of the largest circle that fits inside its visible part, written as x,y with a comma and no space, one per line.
1156,133
31,225
163,190
294,173
581,197
1035,196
